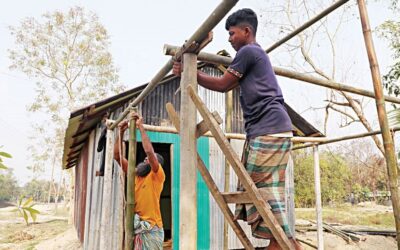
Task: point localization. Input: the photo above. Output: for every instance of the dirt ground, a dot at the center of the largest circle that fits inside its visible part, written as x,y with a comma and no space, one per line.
53,232
333,242
66,240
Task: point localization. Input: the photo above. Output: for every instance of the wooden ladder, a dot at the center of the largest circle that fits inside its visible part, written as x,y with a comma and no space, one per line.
211,123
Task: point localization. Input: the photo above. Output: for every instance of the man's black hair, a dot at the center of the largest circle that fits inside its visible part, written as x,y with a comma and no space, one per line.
243,16
160,159
143,169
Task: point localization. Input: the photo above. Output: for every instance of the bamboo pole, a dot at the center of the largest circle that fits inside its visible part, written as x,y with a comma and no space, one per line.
296,139
318,203
217,59
228,129
390,156
345,138
313,20
198,36
130,201
188,157
105,227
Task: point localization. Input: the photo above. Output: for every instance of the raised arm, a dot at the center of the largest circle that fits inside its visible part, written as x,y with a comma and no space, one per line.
221,84
147,146
122,127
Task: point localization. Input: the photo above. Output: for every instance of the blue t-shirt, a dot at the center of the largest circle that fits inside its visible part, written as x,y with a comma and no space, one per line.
260,95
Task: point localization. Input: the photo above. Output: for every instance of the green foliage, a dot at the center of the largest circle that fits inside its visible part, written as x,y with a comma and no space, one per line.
3,155
335,175
390,30
23,208
9,187
67,54
37,189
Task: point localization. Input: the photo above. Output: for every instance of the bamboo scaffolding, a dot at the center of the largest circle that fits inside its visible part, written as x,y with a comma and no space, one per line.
391,161
306,25
345,138
130,192
198,36
224,60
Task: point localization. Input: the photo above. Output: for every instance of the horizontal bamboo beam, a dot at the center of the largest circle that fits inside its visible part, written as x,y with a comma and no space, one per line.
296,139
224,60
345,138
306,25
198,36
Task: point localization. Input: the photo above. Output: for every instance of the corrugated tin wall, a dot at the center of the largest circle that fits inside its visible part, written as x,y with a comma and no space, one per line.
95,196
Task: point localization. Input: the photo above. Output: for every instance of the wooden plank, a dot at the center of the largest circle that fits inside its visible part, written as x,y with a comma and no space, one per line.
105,229
318,203
202,127
240,197
188,153
212,187
262,207
289,191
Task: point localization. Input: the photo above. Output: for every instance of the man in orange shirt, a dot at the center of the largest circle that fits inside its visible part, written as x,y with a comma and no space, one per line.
149,182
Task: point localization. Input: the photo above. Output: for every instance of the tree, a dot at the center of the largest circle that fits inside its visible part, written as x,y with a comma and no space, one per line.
68,55
335,175
390,30
9,187
3,155
367,166
37,189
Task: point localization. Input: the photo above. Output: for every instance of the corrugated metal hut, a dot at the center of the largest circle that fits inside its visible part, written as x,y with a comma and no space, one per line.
81,141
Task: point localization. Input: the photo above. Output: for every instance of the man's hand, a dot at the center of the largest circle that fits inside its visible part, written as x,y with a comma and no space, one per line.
123,126
139,120
177,68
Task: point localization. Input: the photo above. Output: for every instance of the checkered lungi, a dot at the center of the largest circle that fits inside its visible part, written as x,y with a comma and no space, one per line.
146,236
265,159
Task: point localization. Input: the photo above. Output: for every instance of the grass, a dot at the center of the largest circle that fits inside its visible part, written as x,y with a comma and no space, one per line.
350,216
20,236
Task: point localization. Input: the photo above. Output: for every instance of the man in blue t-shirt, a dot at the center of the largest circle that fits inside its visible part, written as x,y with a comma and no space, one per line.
267,123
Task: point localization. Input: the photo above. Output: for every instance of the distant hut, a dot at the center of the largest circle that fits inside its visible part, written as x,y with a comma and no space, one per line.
80,151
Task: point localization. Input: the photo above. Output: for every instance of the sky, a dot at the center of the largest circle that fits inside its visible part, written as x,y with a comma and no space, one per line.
138,30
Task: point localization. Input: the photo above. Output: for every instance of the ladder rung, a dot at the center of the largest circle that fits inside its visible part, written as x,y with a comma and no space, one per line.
241,197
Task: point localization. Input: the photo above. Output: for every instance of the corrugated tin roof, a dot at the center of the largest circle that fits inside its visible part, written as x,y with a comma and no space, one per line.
84,120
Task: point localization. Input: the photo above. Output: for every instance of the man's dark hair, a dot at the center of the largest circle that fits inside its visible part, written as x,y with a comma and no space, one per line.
143,169
243,17
160,159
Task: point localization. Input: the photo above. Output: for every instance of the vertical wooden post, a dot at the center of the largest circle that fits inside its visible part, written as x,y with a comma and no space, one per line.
289,191
130,201
318,206
188,157
390,156
105,228
228,129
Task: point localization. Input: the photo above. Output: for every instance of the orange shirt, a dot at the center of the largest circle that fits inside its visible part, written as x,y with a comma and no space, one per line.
147,196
